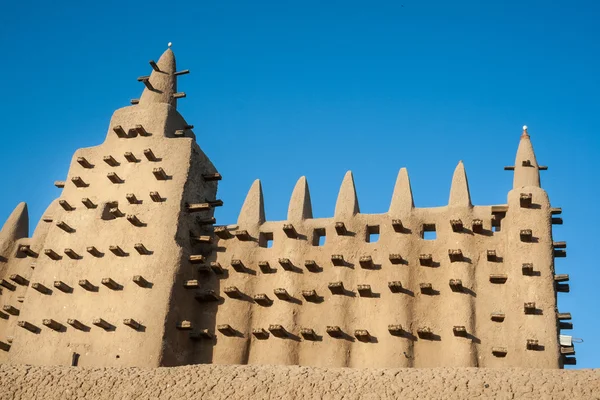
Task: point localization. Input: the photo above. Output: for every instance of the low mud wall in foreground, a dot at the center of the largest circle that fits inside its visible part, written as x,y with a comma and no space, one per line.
216,382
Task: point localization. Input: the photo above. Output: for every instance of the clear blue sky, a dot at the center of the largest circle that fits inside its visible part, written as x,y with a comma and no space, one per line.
324,87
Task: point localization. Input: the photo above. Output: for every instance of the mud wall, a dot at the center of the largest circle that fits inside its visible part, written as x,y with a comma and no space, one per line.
269,382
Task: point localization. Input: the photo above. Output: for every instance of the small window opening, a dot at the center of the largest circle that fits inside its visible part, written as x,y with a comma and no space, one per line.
372,233
265,239
497,221
319,237
429,232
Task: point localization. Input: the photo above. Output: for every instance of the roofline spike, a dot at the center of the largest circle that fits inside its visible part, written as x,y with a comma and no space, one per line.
300,207
347,200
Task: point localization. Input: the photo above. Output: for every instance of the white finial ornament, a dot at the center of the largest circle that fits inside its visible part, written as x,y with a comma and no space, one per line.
524,127
170,44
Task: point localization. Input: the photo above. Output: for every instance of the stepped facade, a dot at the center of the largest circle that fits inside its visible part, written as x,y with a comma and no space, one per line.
128,267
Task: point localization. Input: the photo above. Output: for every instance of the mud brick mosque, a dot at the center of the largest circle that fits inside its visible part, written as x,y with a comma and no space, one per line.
129,268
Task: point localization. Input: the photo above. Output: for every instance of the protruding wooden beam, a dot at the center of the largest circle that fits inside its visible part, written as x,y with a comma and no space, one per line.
141,249
426,259
216,268
156,197
455,255
456,285
65,205
395,286
72,254
290,231
118,129
88,203
52,254
59,184
203,334
114,178
65,227
94,251
130,157
340,228
76,324
182,72
364,290
154,66
336,287
84,162
497,316
212,177
233,292
160,174
334,331
282,294
197,207
117,251
525,200
308,334
226,330
362,335
499,351
457,225
110,160
459,330
28,325
179,95
133,324
286,264
561,277
134,220
111,284
206,296
395,258
140,281
498,278
149,154
529,307
310,295
477,225
262,299
99,322
87,285
311,265
184,325
337,260
52,324
526,235
40,288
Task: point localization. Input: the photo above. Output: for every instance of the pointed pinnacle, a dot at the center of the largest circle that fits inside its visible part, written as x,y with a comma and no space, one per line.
402,198
253,210
347,201
459,190
300,207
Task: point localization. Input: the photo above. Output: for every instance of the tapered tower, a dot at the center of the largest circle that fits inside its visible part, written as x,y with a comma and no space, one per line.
108,264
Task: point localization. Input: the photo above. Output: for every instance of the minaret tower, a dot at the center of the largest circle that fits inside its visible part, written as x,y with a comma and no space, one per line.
531,325
110,263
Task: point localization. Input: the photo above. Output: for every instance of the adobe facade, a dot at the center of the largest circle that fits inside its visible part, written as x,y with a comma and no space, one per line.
128,267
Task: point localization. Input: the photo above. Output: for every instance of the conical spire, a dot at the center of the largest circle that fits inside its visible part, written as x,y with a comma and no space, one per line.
459,190
163,81
347,201
253,210
16,227
300,207
402,198
526,167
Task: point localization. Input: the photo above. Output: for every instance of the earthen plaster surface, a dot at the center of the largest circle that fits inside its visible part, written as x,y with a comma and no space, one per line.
282,382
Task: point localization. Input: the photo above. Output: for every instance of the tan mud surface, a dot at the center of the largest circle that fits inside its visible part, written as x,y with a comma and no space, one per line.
217,382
